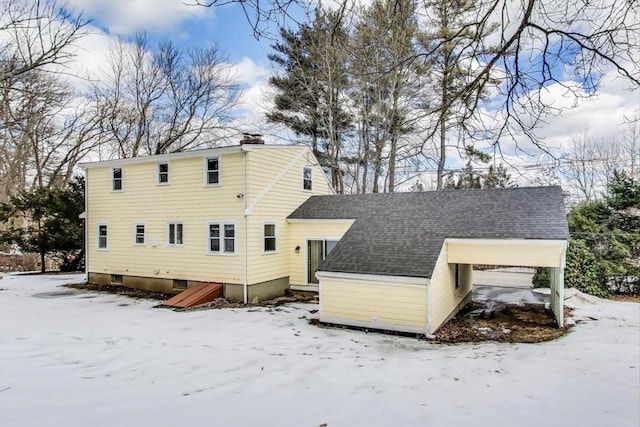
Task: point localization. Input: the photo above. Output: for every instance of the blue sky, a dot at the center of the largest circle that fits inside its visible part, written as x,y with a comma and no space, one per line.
227,25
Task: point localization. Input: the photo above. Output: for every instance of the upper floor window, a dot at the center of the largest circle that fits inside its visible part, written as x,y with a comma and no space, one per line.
139,234
221,238
103,243
307,178
269,231
175,233
163,173
213,171
116,179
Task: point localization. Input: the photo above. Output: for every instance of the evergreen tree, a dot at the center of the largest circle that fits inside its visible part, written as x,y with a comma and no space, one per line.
47,221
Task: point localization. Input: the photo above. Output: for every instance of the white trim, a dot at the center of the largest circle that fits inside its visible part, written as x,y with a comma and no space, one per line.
306,254
372,325
163,162
174,245
274,181
207,152
305,288
315,220
221,238
532,242
135,233
98,225
381,279
275,231
206,171
303,179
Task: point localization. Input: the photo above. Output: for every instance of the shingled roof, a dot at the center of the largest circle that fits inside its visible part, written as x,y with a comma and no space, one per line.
401,234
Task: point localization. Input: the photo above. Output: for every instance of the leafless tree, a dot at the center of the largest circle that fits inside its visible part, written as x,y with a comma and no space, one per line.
164,101
36,34
46,131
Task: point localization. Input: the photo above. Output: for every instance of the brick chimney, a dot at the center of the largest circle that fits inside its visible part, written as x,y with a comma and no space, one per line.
251,138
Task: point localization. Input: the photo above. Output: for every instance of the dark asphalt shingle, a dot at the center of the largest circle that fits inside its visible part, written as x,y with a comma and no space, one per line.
401,234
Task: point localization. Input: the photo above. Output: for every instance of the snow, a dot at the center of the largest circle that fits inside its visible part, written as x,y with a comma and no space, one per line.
78,358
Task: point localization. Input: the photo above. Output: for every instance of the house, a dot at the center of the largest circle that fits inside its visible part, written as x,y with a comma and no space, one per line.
263,218
168,222
405,262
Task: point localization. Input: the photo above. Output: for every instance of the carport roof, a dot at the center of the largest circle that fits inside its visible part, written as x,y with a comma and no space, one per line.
401,234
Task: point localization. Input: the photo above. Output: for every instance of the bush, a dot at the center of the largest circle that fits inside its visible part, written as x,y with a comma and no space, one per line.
541,279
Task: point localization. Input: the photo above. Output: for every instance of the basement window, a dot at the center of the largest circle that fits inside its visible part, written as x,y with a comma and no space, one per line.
180,284
117,278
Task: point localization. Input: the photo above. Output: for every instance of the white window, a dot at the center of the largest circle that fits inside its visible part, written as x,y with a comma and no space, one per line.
307,179
213,171
139,234
116,174
269,237
163,173
175,233
103,242
221,238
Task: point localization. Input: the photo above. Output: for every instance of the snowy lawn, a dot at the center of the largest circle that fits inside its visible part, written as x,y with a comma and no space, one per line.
74,358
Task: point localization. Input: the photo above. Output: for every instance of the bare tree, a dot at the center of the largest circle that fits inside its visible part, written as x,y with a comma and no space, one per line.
584,170
535,44
36,34
44,135
164,101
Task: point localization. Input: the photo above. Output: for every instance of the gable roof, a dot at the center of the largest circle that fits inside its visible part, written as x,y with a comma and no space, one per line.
401,234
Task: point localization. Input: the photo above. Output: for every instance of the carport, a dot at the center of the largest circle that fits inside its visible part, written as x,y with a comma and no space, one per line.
517,253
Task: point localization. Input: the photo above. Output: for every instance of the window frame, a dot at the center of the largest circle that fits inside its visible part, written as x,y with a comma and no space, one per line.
305,180
169,234
114,179
106,236
159,173
274,237
207,171
135,233
222,224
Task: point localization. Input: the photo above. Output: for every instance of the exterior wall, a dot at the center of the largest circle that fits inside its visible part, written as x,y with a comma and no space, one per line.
299,232
185,199
274,190
445,299
146,283
257,291
534,253
374,303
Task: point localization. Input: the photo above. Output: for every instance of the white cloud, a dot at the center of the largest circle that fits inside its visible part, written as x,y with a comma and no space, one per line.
128,16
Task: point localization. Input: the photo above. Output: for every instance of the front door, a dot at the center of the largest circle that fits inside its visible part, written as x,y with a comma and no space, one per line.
317,250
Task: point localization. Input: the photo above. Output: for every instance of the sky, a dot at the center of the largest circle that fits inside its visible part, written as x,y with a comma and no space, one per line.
186,26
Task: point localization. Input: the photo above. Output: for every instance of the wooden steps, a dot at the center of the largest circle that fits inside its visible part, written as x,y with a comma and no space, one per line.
195,295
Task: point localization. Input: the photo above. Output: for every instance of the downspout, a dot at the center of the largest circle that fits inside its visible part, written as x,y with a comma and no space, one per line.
429,331
245,290
86,225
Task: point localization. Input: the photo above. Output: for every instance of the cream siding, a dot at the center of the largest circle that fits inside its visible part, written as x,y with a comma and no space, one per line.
444,297
374,303
298,234
185,199
535,253
274,190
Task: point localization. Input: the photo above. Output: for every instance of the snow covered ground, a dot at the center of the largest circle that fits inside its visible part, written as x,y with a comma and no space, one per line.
74,358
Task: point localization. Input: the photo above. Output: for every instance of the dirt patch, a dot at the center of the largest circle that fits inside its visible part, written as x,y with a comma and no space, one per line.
522,323
625,298
290,297
120,290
